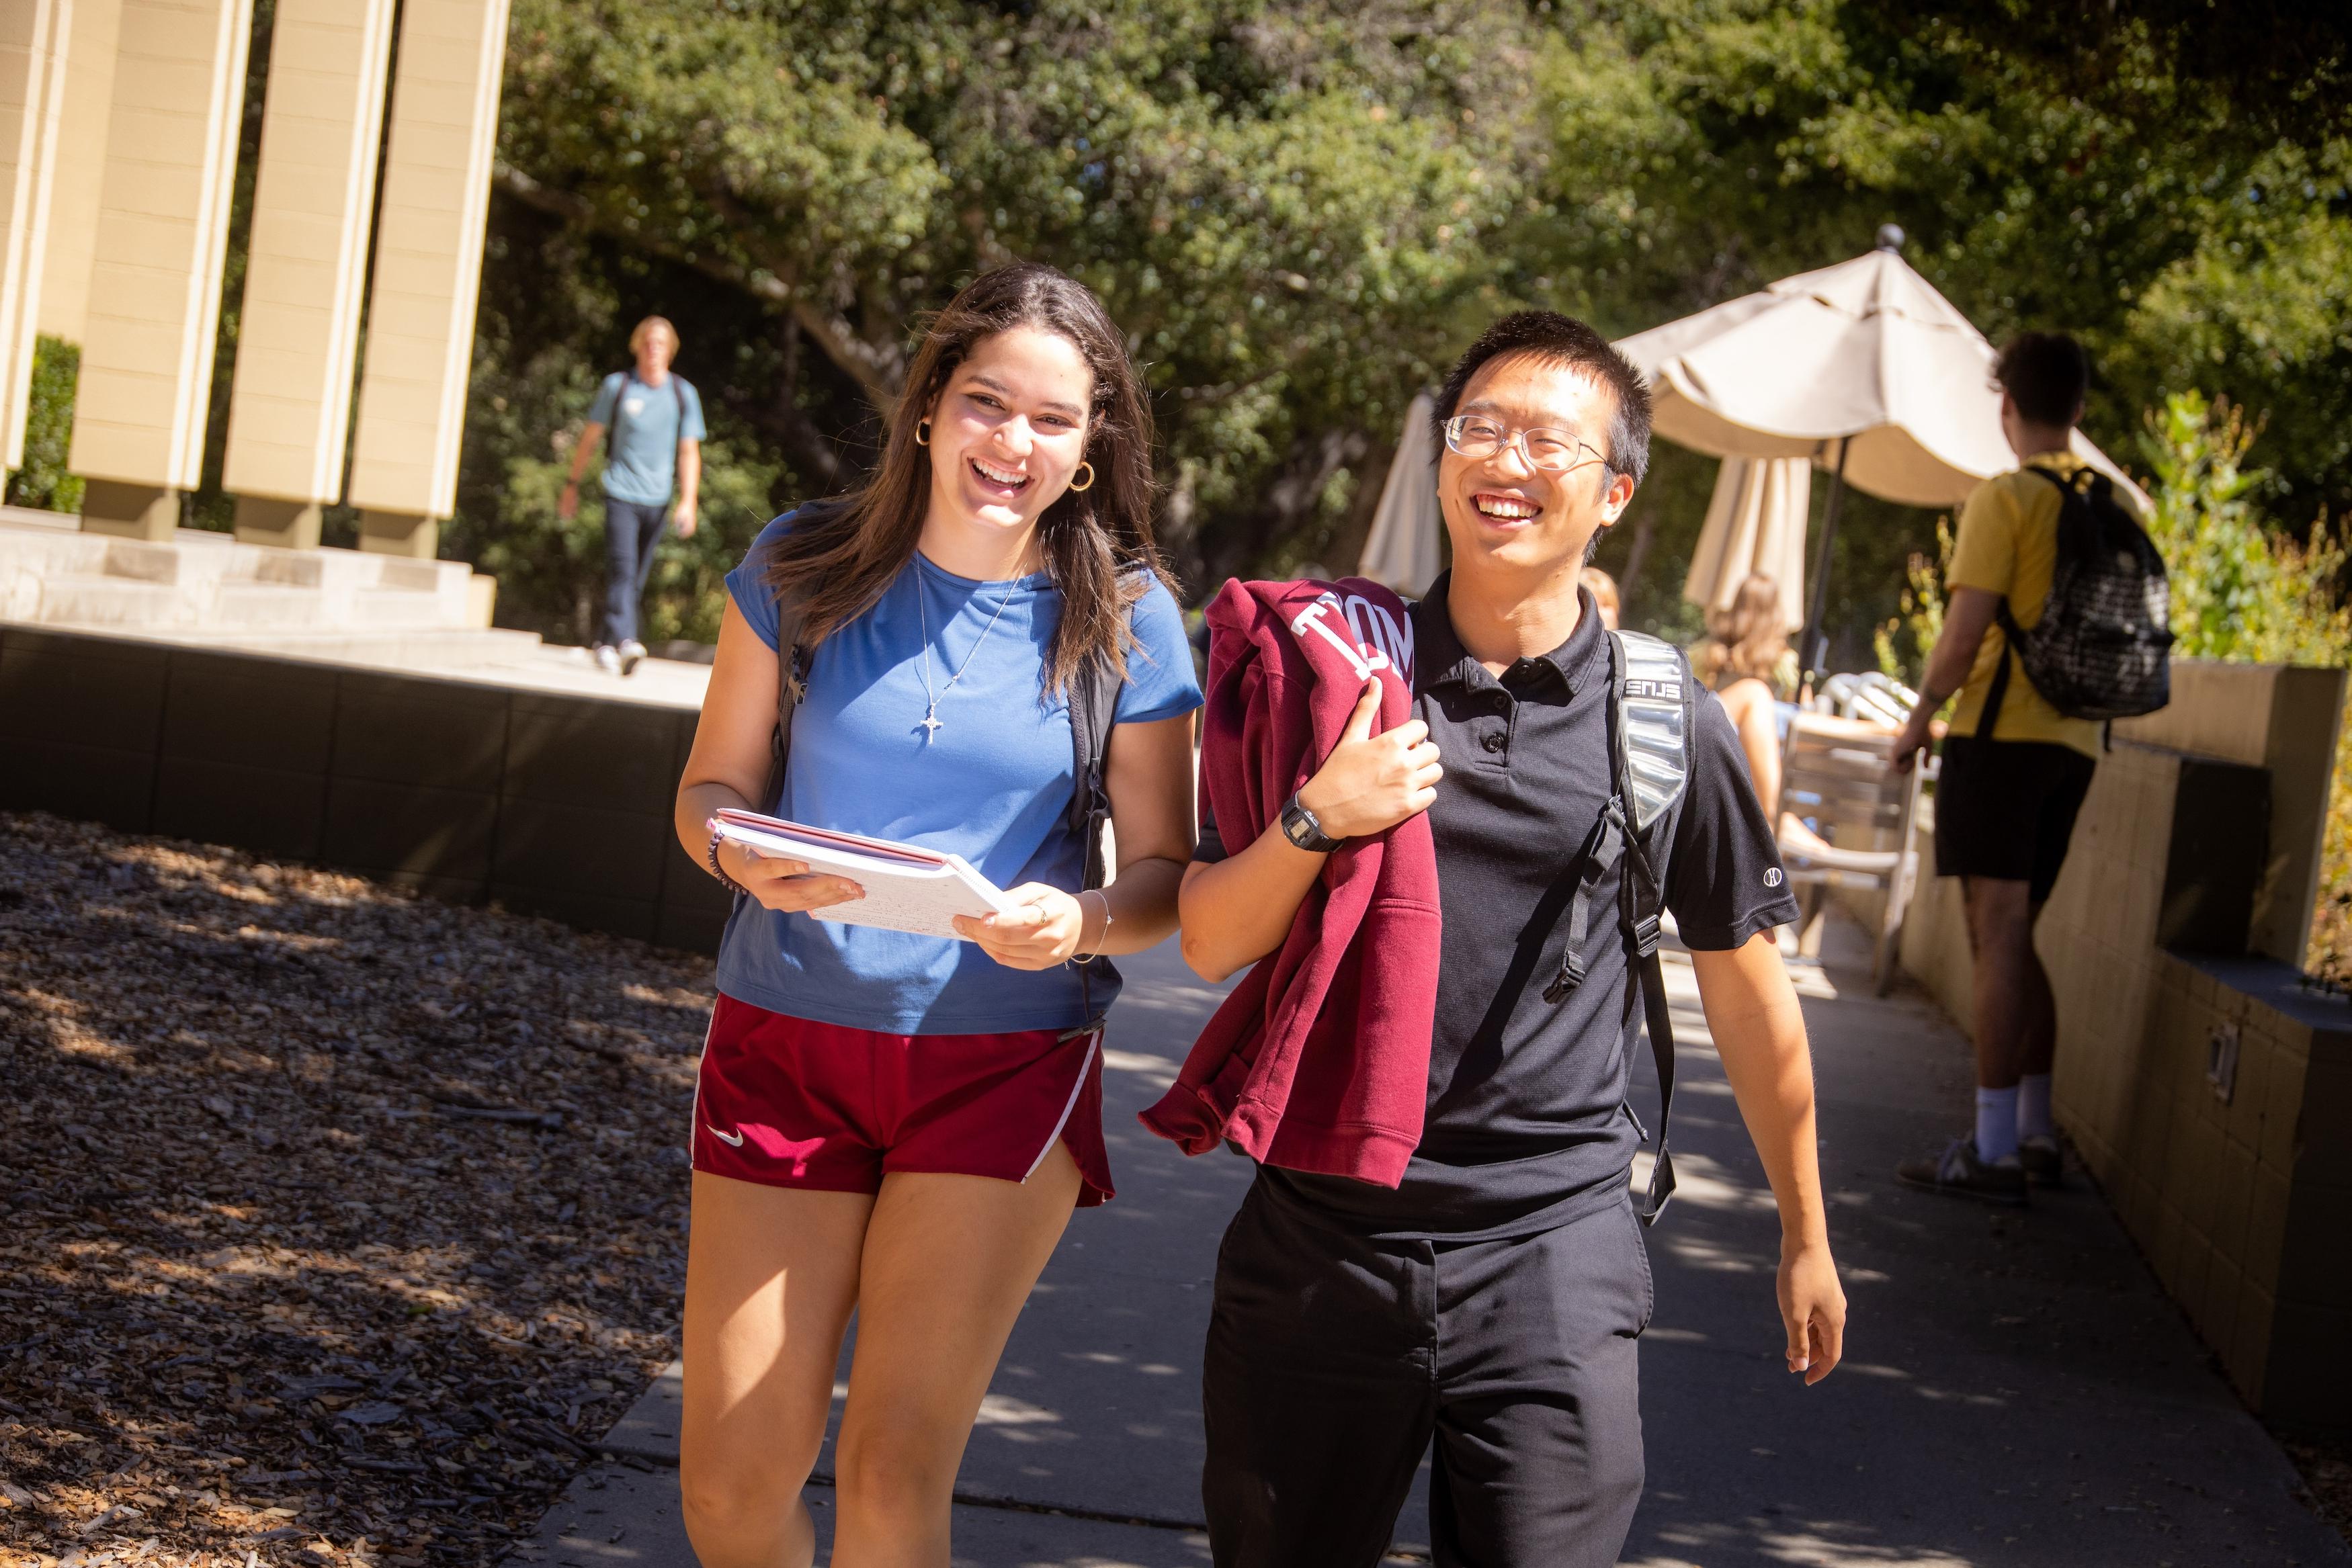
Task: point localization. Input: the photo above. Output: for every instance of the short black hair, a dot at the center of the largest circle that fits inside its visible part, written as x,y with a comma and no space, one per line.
1563,341
2046,375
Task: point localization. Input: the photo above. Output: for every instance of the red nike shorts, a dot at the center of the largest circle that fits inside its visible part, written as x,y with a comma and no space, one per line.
788,1101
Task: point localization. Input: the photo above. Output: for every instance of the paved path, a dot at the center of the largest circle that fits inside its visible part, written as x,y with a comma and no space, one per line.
2017,1390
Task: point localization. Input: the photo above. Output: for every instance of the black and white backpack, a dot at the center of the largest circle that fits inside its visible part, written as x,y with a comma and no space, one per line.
1653,722
2103,647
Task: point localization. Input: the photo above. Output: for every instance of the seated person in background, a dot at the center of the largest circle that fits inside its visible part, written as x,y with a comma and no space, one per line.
1746,660
1603,589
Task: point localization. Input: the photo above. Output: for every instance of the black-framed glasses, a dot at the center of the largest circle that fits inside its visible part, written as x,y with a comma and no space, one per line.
1476,438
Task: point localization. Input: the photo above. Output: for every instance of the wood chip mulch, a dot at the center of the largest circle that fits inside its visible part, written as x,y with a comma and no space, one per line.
335,1226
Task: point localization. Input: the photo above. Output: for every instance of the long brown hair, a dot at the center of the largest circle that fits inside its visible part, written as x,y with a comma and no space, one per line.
842,555
1746,640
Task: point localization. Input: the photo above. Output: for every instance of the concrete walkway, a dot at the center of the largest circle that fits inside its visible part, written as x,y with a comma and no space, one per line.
2017,1390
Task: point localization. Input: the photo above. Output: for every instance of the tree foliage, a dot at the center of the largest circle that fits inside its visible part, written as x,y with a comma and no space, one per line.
1300,211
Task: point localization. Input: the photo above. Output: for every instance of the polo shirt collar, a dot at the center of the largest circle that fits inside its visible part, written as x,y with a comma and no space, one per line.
1579,660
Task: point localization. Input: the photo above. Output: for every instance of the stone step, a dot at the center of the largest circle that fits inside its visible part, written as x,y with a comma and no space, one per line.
51,573
469,648
114,602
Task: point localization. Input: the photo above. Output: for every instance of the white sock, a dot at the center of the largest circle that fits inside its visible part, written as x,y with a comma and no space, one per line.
2033,1107
1996,1123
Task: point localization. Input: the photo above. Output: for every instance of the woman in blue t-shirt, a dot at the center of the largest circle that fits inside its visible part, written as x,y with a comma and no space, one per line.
895,1123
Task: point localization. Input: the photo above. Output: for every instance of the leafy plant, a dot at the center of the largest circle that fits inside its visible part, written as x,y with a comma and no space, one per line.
2242,591
43,482
1923,612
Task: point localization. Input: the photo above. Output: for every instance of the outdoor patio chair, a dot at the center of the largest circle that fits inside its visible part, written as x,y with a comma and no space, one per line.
1835,772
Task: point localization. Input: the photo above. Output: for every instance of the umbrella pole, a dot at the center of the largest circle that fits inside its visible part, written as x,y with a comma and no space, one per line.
1816,644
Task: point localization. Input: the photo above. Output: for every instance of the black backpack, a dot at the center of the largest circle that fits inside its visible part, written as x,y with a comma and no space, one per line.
2103,647
1094,701
1652,723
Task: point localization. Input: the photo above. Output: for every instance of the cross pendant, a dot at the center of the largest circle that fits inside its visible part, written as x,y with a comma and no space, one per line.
930,726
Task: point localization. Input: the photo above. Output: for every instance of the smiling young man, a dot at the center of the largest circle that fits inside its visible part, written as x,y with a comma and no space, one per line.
1492,1301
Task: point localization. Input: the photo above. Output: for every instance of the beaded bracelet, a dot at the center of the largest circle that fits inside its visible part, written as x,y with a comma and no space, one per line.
729,882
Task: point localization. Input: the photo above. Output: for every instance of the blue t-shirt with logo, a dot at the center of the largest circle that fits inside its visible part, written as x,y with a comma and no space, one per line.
992,784
642,427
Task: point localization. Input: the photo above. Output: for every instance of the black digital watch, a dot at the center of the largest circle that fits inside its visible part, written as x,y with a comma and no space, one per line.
1301,828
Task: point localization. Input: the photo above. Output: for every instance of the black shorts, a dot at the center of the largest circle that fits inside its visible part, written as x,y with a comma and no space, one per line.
1334,1360
2006,809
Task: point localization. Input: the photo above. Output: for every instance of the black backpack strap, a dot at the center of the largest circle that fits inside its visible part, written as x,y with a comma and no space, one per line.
1094,710
793,657
1990,715
1653,718
2010,629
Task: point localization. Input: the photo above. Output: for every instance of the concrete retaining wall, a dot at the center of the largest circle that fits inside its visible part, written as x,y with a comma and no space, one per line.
548,804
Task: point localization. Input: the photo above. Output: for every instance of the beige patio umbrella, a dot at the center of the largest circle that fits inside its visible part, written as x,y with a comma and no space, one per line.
1862,367
1402,549
1756,523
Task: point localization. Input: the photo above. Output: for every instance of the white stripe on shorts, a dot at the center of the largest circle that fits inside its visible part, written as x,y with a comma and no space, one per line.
1094,1040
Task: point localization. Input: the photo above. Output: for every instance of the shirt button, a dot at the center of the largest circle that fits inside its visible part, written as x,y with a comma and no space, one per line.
1494,741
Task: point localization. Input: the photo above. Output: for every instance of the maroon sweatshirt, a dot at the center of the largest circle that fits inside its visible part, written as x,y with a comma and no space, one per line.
1319,1061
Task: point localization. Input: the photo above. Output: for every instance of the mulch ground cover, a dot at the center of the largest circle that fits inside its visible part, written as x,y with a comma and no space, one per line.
334,1224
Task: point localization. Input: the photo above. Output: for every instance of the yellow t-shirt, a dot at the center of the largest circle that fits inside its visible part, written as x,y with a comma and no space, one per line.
2009,545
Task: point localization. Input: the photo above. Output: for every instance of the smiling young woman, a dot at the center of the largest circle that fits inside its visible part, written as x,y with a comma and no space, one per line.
896,1123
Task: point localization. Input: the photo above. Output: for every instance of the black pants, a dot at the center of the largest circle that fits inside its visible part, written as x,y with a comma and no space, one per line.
1333,1361
631,531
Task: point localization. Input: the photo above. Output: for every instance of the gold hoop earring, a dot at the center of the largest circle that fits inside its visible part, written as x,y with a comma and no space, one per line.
1091,478
922,433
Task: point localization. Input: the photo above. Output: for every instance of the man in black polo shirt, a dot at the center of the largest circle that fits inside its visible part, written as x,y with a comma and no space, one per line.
1492,1301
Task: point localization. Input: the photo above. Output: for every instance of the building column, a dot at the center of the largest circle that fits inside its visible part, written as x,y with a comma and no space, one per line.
155,271
298,332
80,167
33,39
429,267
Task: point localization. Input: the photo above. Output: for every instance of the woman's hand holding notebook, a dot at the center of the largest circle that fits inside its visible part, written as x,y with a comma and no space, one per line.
907,888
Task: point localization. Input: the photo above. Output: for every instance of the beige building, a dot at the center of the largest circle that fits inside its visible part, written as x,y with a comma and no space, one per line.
119,124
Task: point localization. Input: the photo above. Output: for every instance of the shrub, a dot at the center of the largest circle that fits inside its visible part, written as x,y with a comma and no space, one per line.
2242,591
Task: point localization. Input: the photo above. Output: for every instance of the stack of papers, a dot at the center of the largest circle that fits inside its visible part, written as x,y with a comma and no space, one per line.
907,888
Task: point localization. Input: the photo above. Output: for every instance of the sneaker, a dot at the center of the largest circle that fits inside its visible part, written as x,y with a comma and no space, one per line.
633,653
1960,1171
608,659
2039,1156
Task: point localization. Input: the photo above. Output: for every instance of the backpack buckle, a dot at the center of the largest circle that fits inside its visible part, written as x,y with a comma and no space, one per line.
1571,975
1646,932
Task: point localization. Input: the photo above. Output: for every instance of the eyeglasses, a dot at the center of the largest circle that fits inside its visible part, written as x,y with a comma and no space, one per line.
1551,451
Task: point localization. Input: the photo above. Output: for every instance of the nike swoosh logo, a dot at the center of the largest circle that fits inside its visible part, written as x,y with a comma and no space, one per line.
733,1140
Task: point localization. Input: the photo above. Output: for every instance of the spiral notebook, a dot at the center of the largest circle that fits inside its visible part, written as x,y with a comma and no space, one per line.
907,888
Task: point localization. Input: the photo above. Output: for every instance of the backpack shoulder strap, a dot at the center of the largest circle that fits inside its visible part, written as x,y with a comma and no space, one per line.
792,684
1094,710
1652,692
1653,708
2010,631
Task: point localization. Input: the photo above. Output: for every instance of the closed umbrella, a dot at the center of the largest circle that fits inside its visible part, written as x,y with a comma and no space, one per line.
1756,523
1402,550
1862,368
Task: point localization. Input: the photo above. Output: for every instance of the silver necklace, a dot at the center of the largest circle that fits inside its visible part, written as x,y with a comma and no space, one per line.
931,721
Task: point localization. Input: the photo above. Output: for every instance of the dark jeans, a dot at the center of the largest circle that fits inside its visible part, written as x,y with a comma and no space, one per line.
631,531
1333,1362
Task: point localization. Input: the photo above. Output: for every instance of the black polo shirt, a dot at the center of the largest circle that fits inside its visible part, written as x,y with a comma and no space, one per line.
1528,1123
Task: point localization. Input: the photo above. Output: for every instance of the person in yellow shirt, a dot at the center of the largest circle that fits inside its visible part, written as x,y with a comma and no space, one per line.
2015,772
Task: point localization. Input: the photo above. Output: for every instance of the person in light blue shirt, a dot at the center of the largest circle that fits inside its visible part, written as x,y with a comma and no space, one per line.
895,1123
654,418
